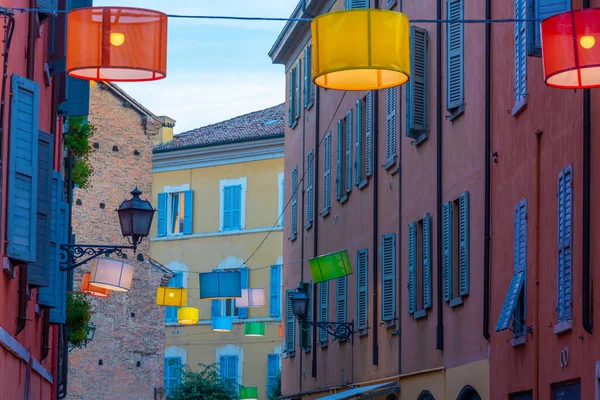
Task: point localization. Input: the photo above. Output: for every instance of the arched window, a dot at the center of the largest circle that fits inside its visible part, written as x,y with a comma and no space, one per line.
425,395
468,393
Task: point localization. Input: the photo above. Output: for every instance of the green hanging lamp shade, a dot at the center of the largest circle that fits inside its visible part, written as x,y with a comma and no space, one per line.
254,329
330,266
249,393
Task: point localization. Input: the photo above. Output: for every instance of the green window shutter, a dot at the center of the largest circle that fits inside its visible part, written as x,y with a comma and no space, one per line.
511,300
342,294
543,9
565,257
291,97
454,58
339,180
412,268
358,150
447,249
520,51
463,245
369,134
362,290
294,225
390,131
416,92
327,173
323,309
290,326
426,261
310,171
348,143
188,207
297,94
352,4
388,273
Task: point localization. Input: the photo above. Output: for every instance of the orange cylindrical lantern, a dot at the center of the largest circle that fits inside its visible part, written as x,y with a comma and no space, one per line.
571,49
119,44
88,288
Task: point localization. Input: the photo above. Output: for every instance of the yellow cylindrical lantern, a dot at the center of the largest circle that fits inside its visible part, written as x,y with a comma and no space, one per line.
364,49
188,315
170,296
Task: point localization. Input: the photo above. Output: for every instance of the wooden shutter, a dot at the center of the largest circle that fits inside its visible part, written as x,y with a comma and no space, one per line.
520,254
310,171
275,294
565,257
229,369
369,134
511,300
22,170
447,249
297,91
388,274
236,207
342,297
215,308
171,311
162,214
173,367
188,207
352,4
416,93
390,133
358,151
77,98
290,333
426,261
327,173
349,123
323,309
339,181
454,58
306,78
272,371
544,9
463,245
294,225
227,208
291,108
58,314
412,268
362,290
520,50
47,296
244,278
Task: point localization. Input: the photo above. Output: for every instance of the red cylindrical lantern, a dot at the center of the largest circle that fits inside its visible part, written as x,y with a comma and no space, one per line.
119,44
88,288
571,49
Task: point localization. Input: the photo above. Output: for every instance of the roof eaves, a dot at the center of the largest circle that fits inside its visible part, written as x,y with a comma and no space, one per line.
219,143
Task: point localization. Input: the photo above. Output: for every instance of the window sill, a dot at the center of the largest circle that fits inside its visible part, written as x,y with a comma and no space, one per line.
519,106
362,332
390,163
518,341
294,124
364,183
8,268
419,139
292,238
325,212
308,225
563,327
389,324
456,112
309,105
389,5
420,314
344,199
306,349
289,354
456,302
323,344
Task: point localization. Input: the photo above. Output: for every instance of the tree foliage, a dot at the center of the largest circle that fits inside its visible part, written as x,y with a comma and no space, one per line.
77,140
275,389
205,384
78,317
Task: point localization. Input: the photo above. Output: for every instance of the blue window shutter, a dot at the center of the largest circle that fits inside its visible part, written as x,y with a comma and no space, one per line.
297,94
369,134
339,180
412,268
215,308
358,151
310,172
275,294
47,295
291,108
22,171
243,311
236,209
565,258
388,274
188,206
327,173
342,297
520,256
294,225
38,273
463,245
162,214
390,132
349,123
232,368
58,314
416,92
77,102
520,59
447,249
57,49
171,311
306,79
227,207
510,302
427,261
323,309
362,289
454,58
543,9
272,371
352,4
172,370
223,367
290,333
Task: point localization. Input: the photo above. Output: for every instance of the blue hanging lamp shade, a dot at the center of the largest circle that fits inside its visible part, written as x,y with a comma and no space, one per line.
330,266
220,285
222,324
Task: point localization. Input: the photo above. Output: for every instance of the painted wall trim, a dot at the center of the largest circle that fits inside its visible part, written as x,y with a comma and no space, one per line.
13,345
215,234
211,156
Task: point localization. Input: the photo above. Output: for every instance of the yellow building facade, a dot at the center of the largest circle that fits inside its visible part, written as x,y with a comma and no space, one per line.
219,191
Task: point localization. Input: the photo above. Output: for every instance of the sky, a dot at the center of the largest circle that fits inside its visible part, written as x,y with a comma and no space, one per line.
216,69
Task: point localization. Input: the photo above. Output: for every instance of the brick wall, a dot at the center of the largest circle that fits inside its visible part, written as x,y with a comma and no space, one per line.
129,325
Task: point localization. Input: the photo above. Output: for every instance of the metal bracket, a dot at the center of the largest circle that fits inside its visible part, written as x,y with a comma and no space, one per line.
343,331
74,255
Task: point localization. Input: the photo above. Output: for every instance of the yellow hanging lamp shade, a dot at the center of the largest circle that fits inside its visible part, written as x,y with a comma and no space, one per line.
188,315
364,49
170,296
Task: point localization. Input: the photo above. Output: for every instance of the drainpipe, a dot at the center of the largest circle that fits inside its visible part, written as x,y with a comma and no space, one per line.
301,233
31,36
488,150
316,221
536,266
375,349
399,171
439,342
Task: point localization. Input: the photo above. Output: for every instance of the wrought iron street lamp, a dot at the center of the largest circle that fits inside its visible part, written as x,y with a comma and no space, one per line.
343,331
135,216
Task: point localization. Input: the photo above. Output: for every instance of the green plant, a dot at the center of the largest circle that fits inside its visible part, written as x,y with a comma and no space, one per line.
77,140
275,388
203,385
78,317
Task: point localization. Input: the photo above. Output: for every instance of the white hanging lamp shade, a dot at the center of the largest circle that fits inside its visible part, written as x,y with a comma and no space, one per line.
111,274
251,298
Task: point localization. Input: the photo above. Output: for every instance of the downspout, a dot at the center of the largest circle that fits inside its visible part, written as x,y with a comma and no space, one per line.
316,220
375,349
399,172
488,150
536,266
31,34
439,342
301,233
587,153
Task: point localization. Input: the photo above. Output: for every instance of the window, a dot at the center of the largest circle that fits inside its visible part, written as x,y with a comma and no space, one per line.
309,85
326,174
273,368
419,267
362,290
175,209
528,395
323,310
176,213
275,294
388,274
228,367
290,326
281,199
364,144
520,57
455,59
310,178
390,130
294,95
569,391
351,4
173,368
565,245
294,216
171,311
344,158
455,242
542,9
417,89
514,309
426,395
233,204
